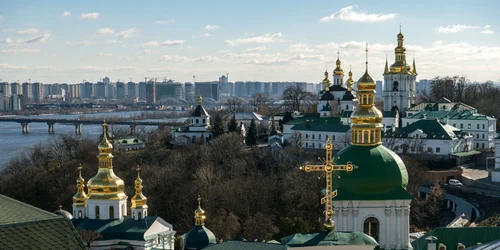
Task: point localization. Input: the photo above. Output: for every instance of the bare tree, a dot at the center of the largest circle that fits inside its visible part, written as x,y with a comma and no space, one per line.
344,140
259,101
294,96
89,236
233,104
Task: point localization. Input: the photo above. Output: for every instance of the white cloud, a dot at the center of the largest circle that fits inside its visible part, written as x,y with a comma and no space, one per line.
177,58
145,52
112,42
164,22
166,69
104,54
30,31
357,47
96,69
1,19
188,47
487,27
66,14
11,68
105,32
20,50
40,39
172,42
260,48
211,27
300,48
437,43
266,38
91,16
82,43
455,28
348,14
206,34
7,40
127,33
487,32
151,43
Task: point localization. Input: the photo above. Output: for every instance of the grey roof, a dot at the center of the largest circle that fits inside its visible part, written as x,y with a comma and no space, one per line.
328,239
199,111
23,226
348,96
327,96
246,245
432,128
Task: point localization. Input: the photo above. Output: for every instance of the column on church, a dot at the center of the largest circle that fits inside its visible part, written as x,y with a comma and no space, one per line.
398,224
387,227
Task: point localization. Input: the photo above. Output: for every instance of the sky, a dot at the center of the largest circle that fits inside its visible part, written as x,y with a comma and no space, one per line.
282,40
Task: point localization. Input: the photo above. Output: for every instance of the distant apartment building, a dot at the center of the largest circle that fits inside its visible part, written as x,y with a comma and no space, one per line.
27,93
106,80
101,90
208,90
111,89
15,88
379,90
131,90
189,92
226,87
120,90
9,102
424,86
169,90
37,92
142,91
151,92
88,90
5,88
73,91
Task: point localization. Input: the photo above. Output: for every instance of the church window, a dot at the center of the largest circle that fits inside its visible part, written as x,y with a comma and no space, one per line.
97,212
371,227
333,137
483,136
307,144
365,98
429,149
454,125
319,137
442,247
307,136
477,145
395,86
203,121
477,126
412,148
313,136
468,126
197,121
482,144
79,214
438,150
313,145
111,212
319,145
460,246
366,138
346,107
477,136
483,126
369,100
461,125
139,215
133,215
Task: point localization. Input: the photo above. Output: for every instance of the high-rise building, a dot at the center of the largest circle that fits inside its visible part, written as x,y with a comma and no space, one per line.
189,92
131,90
37,89
142,91
101,90
379,90
208,90
151,92
5,88
226,87
110,88
106,80
27,93
88,91
73,91
120,90
15,88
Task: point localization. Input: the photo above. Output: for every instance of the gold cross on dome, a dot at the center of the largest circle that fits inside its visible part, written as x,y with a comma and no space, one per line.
329,169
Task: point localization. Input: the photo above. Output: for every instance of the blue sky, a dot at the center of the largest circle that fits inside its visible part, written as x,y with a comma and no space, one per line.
67,41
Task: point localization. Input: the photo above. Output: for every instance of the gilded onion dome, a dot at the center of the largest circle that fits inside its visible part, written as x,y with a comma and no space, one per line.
200,100
80,196
366,119
199,214
399,65
326,81
350,81
139,200
105,185
338,70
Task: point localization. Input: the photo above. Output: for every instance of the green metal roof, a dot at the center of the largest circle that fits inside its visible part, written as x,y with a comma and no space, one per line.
431,127
26,227
453,114
450,237
391,113
462,154
328,239
380,174
246,245
125,229
198,238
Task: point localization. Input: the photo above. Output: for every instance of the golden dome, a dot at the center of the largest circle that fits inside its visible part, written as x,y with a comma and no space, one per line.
338,70
80,196
350,81
200,100
401,36
105,185
199,214
139,200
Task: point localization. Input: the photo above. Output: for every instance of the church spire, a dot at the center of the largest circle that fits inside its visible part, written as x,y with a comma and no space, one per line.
80,196
366,119
139,201
386,70
326,81
199,214
414,67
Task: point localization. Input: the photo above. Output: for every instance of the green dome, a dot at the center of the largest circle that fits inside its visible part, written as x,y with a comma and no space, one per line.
198,238
380,174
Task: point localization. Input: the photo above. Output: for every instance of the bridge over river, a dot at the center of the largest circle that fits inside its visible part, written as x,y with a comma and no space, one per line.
78,123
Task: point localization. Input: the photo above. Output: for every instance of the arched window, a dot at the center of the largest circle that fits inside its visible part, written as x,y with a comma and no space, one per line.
395,86
371,227
197,121
79,214
97,212
139,215
346,107
369,100
111,212
203,121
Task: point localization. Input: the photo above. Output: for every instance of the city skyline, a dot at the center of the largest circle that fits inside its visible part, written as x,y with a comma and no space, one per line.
257,41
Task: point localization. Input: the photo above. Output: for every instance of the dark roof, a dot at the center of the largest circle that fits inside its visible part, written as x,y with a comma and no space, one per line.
328,238
326,107
327,96
125,229
330,124
26,227
346,114
198,238
432,128
453,114
392,113
348,96
492,245
450,237
246,245
337,88
199,111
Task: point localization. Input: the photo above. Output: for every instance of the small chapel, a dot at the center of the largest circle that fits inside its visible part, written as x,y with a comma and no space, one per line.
104,209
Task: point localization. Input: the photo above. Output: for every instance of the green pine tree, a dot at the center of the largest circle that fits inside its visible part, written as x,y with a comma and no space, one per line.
218,128
251,139
286,118
233,125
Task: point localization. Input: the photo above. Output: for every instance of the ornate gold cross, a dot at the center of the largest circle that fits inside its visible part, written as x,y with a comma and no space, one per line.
330,168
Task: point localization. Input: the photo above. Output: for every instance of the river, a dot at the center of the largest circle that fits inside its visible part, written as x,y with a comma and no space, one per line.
14,142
